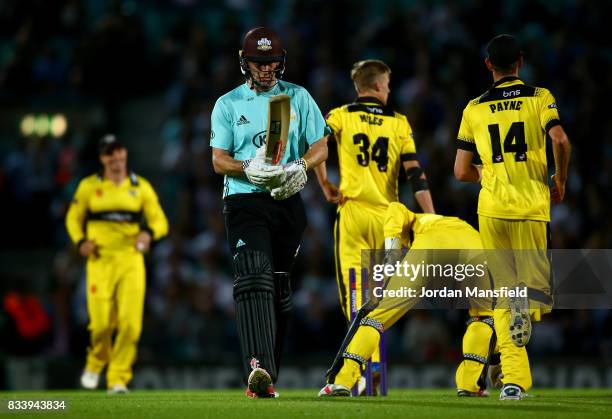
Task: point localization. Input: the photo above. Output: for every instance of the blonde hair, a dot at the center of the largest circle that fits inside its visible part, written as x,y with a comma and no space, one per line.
365,73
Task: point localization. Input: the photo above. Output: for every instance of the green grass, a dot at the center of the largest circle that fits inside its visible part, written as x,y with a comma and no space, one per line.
304,404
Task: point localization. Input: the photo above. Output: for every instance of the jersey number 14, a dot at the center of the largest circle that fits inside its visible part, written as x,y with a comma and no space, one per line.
513,143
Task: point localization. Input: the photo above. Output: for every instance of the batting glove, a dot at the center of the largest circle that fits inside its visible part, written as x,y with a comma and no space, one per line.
262,174
295,180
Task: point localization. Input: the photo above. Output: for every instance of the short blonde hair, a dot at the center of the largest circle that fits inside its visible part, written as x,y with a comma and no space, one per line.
365,73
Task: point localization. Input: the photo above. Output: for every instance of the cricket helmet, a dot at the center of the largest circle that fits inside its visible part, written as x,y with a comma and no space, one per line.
262,45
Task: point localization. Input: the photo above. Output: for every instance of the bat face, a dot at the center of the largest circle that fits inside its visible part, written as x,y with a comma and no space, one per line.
278,128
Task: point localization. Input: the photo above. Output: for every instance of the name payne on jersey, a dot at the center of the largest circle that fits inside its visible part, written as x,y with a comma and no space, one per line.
506,105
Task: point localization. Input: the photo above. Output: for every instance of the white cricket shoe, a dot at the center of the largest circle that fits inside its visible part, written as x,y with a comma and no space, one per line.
90,380
118,389
334,390
511,392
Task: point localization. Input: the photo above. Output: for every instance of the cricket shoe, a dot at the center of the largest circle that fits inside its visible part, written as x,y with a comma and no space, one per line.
520,322
511,392
260,383
270,394
466,393
118,389
334,390
90,380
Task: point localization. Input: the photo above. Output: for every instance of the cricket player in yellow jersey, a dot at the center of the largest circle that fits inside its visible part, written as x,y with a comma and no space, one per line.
507,128
373,141
112,220
430,231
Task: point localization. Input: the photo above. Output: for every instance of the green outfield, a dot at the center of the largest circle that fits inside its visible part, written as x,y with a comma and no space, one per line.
305,404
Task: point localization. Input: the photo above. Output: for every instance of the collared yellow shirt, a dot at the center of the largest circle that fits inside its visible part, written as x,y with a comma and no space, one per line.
113,215
372,141
507,128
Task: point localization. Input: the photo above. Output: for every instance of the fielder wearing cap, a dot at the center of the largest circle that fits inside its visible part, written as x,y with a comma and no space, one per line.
113,217
264,213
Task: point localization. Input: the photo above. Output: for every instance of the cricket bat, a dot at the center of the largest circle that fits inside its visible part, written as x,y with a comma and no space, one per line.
278,128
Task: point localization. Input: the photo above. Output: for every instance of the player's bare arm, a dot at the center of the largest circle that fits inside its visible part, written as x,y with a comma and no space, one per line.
465,171
224,164
330,191
561,151
419,185
316,154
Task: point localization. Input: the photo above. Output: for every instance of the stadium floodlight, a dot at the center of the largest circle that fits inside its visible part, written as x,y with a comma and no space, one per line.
59,125
41,125
27,125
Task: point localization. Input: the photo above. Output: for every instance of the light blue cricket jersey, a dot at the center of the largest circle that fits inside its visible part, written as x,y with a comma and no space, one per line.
240,119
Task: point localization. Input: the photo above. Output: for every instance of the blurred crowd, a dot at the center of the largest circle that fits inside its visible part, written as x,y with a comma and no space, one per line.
99,56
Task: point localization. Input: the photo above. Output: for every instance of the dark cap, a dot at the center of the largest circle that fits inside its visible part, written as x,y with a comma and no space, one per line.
262,45
108,144
504,50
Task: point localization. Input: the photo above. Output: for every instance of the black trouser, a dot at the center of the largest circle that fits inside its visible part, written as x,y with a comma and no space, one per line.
264,236
266,225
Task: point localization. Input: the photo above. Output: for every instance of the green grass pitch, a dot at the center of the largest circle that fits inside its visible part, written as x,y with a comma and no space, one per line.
543,403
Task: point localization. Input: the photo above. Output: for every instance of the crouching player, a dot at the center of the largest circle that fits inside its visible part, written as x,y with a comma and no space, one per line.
430,231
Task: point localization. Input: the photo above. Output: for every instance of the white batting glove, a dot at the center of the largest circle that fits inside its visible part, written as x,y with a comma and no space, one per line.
295,180
262,174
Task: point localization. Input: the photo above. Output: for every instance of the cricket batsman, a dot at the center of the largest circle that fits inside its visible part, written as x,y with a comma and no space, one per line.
430,231
113,217
507,127
264,214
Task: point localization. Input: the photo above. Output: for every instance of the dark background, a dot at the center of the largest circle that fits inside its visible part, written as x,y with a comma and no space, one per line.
151,72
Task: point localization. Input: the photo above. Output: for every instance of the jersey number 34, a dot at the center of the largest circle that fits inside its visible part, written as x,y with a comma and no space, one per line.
380,151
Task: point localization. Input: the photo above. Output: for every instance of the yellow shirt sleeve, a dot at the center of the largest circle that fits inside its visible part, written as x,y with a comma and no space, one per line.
398,220
408,150
334,121
465,137
155,219
549,114
77,211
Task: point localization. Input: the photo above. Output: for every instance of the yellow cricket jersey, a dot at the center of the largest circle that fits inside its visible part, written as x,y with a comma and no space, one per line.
372,141
507,128
400,222
113,215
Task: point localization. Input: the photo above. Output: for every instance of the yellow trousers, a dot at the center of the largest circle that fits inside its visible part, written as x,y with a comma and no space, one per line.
358,227
115,302
452,234
522,259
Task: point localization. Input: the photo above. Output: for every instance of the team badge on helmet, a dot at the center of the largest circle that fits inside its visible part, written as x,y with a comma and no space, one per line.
264,44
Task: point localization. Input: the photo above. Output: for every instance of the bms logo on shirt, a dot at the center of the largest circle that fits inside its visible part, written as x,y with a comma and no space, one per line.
259,139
